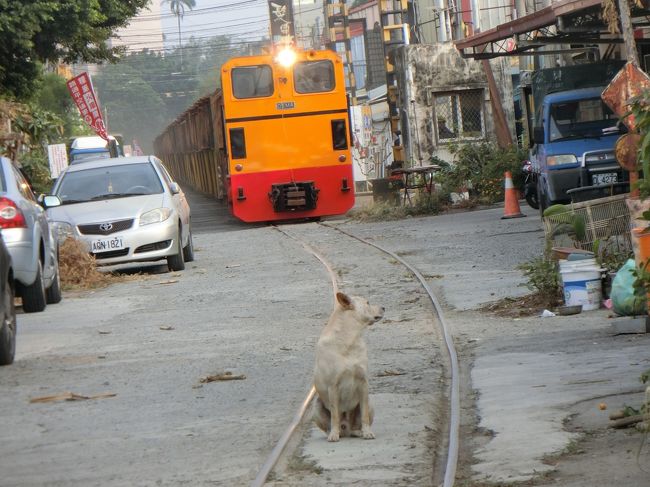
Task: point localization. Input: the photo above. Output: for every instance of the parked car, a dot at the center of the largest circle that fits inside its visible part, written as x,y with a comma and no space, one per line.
28,236
125,209
7,307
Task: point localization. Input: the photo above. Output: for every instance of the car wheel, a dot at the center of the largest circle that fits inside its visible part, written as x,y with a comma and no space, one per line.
34,294
188,250
8,327
175,262
53,293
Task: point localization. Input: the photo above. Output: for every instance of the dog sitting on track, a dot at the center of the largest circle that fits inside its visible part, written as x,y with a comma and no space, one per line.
342,407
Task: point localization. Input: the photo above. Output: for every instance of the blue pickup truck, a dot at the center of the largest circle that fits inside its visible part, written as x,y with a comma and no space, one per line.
88,148
573,138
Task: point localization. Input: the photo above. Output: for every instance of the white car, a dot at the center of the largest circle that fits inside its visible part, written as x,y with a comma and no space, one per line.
126,209
28,237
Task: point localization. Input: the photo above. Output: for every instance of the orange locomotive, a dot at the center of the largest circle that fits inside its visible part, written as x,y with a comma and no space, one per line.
286,127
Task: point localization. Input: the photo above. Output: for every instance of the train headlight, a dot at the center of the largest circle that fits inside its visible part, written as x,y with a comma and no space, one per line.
286,57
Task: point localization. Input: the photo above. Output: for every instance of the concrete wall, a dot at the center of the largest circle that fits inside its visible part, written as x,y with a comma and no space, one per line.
427,69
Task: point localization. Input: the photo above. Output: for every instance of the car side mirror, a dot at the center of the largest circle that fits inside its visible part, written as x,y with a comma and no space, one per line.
174,188
50,201
538,135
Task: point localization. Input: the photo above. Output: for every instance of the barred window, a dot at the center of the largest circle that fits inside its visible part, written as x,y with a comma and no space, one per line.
459,115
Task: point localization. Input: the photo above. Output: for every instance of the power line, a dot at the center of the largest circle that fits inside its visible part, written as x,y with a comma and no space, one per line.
218,28
197,11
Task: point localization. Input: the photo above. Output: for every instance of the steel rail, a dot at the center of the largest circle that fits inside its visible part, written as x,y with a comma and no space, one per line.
454,423
273,458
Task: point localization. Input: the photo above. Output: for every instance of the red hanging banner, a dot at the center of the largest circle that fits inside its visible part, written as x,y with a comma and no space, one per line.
83,94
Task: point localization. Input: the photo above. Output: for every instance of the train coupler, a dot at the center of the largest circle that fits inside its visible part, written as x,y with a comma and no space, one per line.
293,196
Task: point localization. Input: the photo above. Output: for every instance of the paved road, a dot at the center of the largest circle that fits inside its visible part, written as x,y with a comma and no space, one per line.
254,303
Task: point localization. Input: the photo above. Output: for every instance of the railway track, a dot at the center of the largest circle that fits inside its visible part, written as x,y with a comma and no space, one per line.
445,459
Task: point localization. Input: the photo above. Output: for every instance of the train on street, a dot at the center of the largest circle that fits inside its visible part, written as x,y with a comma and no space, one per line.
274,141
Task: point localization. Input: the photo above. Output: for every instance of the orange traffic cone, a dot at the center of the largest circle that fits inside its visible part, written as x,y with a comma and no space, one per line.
511,208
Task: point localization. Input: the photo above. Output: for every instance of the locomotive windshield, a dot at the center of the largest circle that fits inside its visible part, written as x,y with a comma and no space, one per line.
313,76
252,81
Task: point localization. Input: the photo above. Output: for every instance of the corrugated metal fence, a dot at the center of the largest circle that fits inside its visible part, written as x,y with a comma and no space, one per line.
192,147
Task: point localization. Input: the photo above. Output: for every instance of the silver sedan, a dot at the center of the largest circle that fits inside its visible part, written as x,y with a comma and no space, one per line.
126,209
28,237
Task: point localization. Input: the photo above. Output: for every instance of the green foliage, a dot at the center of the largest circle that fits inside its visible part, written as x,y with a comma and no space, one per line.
177,7
642,277
566,221
640,109
146,91
479,168
40,126
37,31
37,168
52,96
133,108
543,278
610,254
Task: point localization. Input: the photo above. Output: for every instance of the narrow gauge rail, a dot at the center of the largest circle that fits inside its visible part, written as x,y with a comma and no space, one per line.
445,478
273,142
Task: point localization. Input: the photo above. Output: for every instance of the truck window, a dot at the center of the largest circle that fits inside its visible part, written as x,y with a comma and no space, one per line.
252,81
313,76
579,119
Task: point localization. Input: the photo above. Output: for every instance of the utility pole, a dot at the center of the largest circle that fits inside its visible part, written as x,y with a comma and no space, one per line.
631,53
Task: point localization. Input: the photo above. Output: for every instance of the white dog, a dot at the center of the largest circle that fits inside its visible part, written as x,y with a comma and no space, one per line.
341,373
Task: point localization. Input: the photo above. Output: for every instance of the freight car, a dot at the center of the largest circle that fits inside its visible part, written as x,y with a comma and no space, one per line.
274,142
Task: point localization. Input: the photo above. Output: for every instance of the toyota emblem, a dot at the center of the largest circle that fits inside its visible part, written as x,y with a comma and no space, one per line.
106,227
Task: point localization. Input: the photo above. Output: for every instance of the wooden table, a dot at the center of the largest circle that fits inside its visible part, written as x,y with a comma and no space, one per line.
419,177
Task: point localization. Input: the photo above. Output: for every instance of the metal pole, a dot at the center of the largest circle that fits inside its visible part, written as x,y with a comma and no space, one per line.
631,53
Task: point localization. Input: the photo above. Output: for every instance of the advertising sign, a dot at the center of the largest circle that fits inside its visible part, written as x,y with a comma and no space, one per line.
82,92
627,84
58,157
281,12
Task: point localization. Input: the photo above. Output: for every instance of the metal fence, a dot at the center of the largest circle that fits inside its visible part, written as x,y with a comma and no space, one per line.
606,221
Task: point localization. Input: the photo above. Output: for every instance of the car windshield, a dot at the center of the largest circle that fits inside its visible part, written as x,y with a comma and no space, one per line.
89,156
100,183
580,119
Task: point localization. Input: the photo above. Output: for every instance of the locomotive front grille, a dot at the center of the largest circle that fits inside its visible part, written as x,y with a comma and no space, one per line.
293,196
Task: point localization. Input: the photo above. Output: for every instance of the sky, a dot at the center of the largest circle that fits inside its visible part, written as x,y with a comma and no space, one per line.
244,20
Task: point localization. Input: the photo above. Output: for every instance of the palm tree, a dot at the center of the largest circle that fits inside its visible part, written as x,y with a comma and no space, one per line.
177,8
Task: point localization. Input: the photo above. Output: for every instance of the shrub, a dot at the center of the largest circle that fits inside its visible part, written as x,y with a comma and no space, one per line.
543,279
479,169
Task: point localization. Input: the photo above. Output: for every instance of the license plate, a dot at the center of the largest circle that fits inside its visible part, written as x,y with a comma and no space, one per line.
605,178
106,245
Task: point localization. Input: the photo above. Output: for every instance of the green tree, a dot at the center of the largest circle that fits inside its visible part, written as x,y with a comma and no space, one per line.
134,109
177,7
33,32
52,96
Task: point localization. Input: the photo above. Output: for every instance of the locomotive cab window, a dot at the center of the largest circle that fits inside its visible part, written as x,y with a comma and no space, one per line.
252,81
313,76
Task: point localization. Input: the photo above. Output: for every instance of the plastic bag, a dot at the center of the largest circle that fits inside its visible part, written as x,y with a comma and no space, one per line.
626,300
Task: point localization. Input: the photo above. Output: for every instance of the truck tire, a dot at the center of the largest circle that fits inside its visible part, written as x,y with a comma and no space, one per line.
34,295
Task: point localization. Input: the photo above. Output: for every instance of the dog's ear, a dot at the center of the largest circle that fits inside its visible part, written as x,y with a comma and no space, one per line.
344,301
